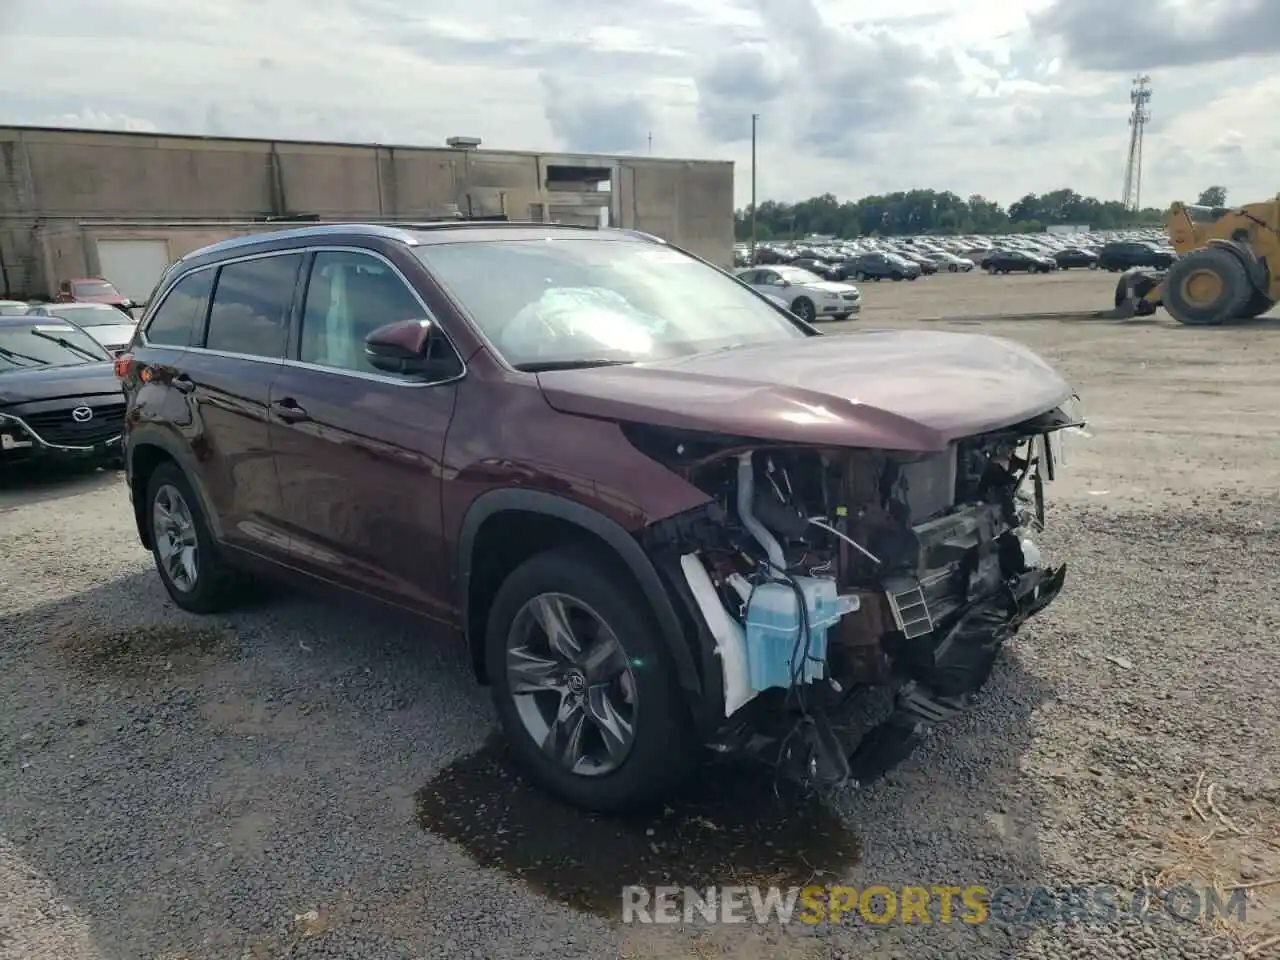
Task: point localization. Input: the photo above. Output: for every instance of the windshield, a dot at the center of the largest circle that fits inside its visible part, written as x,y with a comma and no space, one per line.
92,316
1202,214
94,288
798,275
47,345
561,301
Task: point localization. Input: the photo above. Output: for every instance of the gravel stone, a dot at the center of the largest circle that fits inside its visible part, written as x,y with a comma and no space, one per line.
245,786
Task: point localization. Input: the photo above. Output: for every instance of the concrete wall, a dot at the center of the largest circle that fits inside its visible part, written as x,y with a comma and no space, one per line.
51,180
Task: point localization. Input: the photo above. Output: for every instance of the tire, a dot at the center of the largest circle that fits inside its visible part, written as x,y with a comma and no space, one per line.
895,277
1259,304
215,584
803,308
1222,277
953,268
841,317
914,277
860,277
663,751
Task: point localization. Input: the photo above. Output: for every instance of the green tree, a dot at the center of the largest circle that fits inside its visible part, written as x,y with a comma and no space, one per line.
1213,197
938,212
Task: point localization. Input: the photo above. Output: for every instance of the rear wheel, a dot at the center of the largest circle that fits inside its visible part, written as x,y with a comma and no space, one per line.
1257,306
194,573
583,687
804,309
1207,287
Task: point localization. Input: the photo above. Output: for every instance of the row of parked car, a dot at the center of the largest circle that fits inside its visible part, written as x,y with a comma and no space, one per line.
911,258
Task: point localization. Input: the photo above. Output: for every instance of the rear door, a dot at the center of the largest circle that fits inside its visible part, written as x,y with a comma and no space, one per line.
228,375
358,450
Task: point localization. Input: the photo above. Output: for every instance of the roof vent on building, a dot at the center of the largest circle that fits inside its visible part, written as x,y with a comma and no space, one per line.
463,143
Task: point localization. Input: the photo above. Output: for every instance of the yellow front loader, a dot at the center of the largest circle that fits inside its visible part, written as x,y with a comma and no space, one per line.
1228,267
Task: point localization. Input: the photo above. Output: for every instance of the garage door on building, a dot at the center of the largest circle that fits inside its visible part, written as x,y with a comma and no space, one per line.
134,266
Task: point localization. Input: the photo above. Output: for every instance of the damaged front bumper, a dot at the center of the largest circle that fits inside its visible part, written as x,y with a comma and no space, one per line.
862,605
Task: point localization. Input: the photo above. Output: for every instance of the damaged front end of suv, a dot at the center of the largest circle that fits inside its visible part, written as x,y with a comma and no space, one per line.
818,573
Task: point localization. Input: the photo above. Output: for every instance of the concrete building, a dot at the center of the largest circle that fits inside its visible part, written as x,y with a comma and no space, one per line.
77,203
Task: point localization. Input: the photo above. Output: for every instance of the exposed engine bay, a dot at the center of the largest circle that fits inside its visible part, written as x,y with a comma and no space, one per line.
821,574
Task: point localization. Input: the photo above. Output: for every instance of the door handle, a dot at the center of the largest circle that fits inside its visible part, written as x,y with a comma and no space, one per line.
289,411
182,383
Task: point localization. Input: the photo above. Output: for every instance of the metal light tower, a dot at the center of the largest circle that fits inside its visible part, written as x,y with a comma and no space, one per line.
755,119
1140,97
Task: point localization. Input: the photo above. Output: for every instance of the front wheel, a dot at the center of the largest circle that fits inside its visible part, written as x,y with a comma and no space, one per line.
805,310
583,687
895,277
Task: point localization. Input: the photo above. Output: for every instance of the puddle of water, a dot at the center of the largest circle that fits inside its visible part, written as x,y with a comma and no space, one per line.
732,829
144,650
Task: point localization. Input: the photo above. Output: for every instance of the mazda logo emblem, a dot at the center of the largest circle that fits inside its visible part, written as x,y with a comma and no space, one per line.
81,414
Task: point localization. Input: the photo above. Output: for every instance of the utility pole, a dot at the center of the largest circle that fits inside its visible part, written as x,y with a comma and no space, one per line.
755,119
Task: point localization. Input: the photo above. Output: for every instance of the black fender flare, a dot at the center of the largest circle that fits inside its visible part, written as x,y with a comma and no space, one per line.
163,438
1253,265
611,533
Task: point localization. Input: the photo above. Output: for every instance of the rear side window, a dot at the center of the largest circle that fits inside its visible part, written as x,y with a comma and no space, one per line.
175,322
250,310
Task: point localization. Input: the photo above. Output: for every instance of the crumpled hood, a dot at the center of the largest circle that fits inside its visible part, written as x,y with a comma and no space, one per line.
886,389
53,383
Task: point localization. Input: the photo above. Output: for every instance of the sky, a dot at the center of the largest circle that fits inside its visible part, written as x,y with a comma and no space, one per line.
996,97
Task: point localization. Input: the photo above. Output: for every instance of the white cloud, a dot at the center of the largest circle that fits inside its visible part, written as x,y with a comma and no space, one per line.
999,97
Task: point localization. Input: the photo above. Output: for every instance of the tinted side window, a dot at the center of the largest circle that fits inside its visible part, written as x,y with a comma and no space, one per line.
250,311
177,318
349,295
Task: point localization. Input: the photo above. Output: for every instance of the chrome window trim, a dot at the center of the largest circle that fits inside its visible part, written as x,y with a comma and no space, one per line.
317,367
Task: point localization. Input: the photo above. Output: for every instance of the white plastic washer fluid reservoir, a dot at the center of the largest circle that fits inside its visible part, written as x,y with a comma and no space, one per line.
1031,555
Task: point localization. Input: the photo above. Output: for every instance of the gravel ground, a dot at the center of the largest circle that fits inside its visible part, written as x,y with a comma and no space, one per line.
255,786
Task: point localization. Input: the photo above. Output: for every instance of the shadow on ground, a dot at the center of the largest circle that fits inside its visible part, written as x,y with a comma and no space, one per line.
20,486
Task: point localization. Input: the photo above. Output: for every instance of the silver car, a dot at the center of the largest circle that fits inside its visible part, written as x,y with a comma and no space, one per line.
110,326
806,294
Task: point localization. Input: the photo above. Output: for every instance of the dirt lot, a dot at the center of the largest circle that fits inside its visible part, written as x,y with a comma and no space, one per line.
252,786
978,294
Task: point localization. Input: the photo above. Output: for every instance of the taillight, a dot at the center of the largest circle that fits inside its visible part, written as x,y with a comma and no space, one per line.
124,365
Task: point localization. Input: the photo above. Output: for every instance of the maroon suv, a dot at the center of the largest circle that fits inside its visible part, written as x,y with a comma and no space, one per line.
665,515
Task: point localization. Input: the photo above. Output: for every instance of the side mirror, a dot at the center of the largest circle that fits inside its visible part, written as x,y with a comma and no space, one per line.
785,283
413,347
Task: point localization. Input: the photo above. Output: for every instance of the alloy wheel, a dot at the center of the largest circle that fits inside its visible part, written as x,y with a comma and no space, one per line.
572,684
176,542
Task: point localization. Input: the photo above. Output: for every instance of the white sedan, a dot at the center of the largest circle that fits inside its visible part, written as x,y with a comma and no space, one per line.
951,263
806,294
